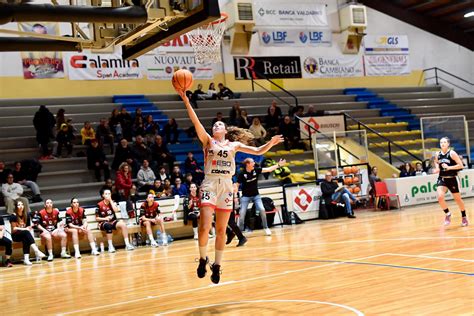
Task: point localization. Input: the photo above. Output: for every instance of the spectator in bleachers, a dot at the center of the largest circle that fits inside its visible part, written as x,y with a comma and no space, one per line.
20,176
167,189
114,124
278,111
211,91
176,173
244,121
105,135
162,175
151,129
419,170
191,166
407,170
188,179
157,188
87,133
124,153
272,121
373,177
141,150
4,172
108,222
310,112
77,227
180,188
160,153
198,94
191,208
64,138
224,92
22,231
219,118
126,123
7,243
97,161
139,127
60,119
52,227
145,177
298,111
258,131
290,133
44,123
123,182
235,114
12,192
138,114
149,217
170,131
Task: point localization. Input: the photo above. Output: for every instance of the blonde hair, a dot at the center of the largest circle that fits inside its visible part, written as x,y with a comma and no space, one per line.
237,134
123,165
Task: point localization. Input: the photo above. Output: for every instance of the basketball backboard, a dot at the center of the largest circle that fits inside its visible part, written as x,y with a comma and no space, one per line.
137,25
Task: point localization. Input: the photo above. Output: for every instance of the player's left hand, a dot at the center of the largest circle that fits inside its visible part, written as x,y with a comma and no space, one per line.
277,139
444,166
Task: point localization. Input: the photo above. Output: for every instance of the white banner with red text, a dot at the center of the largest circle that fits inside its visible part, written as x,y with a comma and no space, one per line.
304,200
324,124
88,66
163,66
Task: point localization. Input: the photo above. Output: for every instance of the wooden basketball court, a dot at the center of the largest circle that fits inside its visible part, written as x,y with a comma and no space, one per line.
391,262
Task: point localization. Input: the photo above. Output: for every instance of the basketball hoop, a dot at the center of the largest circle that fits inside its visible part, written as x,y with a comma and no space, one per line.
206,41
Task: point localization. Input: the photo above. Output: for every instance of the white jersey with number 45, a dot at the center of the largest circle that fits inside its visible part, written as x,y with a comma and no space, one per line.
219,158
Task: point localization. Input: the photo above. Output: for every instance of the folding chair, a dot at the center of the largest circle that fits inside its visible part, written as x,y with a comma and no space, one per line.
381,191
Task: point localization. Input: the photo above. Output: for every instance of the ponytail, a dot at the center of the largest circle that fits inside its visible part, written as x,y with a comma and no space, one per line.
237,134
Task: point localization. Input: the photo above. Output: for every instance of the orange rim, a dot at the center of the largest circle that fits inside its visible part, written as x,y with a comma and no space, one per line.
223,17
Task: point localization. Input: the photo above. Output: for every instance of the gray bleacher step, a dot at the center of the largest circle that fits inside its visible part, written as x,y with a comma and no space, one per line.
67,191
28,120
71,110
416,95
29,130
432,101
65,177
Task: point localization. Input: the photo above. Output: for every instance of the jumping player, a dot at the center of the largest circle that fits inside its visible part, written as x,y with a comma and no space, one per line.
76,222
150,216
217,189
447,164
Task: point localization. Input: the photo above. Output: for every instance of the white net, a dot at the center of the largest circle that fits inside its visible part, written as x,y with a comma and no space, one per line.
206,41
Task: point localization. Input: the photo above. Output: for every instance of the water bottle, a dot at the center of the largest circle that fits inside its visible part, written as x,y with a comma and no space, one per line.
148,242
134,242
175,216
102,247
158,236
293,219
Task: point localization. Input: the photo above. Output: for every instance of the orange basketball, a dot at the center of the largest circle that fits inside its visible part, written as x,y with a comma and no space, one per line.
182,80
356,190
355,180
347,170
347,180
355,169
351,190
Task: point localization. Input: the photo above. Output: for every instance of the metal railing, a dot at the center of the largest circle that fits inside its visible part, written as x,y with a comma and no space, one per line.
263,77
389,142
437,76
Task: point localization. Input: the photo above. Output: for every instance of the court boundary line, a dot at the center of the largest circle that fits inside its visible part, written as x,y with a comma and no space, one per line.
429,257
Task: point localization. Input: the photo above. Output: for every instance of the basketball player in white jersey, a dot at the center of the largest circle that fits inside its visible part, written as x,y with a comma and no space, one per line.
216,189
447,164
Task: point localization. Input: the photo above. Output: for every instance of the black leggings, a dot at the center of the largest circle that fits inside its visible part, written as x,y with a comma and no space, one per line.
24,237
233,227
4,241
194,217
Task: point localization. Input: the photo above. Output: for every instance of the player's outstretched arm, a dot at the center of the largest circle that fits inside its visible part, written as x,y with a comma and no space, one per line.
280,163
203,136
275,140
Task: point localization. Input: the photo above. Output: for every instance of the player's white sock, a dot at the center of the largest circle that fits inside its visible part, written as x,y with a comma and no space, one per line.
218,259
203,252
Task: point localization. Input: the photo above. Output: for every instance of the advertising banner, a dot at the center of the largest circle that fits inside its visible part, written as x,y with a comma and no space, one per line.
387,65
332,67
422,189
180,44
272,67
304,200
41,65
386,44
325,124
289,13
163,66
295,37
87,66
